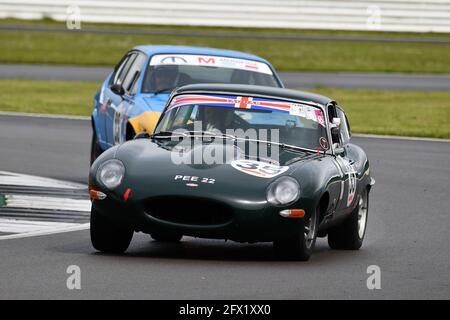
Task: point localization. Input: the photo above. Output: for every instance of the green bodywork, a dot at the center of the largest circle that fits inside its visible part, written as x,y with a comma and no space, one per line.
236,201
2,200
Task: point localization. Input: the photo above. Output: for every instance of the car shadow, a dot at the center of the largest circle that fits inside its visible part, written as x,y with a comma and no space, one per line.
217,250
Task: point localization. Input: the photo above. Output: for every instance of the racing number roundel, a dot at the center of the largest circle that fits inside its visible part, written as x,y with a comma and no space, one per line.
258,169
350,171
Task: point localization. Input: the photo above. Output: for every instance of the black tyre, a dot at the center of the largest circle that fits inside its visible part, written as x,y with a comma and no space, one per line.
349,235
96,151
107,236
130,134
300,246
166,237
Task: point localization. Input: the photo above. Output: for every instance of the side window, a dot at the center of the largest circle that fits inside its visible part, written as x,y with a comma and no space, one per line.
133,73
118,68
344,129
122,71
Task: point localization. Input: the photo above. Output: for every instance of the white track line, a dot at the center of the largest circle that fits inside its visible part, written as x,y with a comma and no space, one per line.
40,115
77,227
25,226
30,228
48,203
12,178
361,135
375,136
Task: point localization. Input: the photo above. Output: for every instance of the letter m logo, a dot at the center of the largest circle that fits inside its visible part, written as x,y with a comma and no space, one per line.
203,60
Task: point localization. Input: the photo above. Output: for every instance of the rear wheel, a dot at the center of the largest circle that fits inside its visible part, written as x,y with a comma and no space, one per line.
300,246
164,237
96,151
107,236
350,234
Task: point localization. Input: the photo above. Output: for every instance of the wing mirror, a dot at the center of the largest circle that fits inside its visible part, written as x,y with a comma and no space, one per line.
338,150
335,124
117,89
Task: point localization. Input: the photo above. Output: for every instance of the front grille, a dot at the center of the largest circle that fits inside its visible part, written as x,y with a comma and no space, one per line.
184,210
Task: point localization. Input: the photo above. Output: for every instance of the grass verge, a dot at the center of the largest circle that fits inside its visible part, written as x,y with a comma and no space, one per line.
48,97
406,113
87,48
403,113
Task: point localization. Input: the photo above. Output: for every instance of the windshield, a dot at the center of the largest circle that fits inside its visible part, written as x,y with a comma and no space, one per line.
165,72
289,123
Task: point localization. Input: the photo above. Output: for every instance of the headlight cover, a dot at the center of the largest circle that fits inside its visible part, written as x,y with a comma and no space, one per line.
283,191
110,173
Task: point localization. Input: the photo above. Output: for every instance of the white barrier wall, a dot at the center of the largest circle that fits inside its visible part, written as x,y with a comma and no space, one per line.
383,15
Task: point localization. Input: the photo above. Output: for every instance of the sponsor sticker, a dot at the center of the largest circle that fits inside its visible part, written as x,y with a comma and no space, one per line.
298,110
319,117
212,61
324,143
307,112
258,169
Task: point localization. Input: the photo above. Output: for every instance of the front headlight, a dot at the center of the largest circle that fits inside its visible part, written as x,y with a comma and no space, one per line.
283,191
111,173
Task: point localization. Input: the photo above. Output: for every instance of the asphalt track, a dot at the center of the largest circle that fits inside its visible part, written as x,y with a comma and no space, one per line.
305,80
407,236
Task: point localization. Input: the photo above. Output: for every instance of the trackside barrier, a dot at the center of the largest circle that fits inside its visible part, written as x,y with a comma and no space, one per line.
380,15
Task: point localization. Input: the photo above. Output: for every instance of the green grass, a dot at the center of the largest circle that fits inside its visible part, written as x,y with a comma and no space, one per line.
49,97
408,113
85,48
404,113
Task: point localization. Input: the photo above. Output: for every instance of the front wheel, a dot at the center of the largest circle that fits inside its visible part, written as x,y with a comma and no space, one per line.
300,246
349,235
107,236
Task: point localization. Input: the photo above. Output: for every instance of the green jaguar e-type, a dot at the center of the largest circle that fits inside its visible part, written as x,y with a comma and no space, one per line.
239,162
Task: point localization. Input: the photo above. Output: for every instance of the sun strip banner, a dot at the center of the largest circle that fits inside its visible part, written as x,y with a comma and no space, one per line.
253,103
210,61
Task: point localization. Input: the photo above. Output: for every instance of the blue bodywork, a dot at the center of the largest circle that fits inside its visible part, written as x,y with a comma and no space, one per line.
112,113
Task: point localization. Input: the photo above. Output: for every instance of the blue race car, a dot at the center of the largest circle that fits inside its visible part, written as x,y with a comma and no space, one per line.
132,97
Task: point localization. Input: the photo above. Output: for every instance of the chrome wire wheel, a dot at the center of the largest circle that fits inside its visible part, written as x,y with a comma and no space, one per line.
310,230
362,214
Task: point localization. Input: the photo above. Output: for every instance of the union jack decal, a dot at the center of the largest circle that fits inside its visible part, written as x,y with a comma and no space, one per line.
245,102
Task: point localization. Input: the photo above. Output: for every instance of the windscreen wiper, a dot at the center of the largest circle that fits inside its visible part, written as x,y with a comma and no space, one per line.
167,134
281,145
229,136
197,133
296,148
211,134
